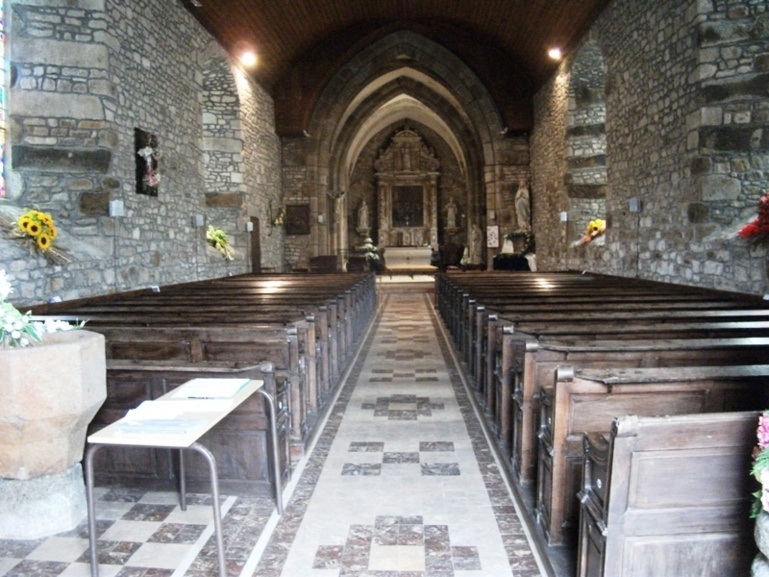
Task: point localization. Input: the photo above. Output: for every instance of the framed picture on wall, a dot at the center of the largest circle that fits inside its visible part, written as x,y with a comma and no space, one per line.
147,168
297,219
492,236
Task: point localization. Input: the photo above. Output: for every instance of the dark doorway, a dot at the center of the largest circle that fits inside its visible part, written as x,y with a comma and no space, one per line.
256,247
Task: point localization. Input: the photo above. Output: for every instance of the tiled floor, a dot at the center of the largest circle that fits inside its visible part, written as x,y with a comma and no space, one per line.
400,483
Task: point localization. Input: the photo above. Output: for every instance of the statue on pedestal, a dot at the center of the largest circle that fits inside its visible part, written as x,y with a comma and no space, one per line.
451,214
476,245
522,207
363,222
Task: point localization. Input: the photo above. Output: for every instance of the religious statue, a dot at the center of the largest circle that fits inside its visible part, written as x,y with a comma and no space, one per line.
522,207
476,245
338,198
363,216
451,214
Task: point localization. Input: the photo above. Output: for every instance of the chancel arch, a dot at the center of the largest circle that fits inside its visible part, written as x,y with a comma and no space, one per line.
392,82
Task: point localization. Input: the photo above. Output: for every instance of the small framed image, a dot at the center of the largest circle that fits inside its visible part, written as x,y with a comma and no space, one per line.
297,219
492,236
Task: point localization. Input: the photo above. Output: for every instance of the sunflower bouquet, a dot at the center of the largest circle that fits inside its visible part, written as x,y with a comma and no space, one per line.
39,226
217,238
39,229
594,229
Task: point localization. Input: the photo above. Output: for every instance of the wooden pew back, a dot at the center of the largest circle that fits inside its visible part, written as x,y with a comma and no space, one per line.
677,499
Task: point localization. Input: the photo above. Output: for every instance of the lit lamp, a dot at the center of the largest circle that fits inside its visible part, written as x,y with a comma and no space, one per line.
555,53
248,58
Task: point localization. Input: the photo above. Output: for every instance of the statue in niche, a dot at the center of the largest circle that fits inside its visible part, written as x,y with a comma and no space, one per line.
476,245
451,214
523,207
363,216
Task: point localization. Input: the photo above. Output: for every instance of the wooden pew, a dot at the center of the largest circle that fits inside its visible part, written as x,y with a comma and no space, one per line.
587,400
472,314
546,297
668,496
245,320
511,368
534,364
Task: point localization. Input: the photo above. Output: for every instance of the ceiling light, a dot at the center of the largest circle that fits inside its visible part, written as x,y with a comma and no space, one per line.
248,58
555,53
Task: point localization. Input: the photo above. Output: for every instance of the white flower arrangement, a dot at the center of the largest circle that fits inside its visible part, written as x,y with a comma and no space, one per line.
18,330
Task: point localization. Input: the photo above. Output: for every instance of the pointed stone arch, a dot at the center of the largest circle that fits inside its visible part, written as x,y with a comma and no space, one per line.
402,76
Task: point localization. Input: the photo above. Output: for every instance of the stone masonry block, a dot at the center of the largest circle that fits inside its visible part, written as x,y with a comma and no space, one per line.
27,103
60,53
719,187
57,159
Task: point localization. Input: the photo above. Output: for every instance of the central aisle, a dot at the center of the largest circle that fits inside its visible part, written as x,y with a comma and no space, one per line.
401,482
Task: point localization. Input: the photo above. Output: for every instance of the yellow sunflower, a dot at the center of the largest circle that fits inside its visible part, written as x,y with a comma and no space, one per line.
34,228
43,241
24,222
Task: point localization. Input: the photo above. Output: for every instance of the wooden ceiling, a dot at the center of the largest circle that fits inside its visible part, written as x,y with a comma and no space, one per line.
500,36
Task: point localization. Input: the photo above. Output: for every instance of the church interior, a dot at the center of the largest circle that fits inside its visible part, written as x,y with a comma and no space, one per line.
491,275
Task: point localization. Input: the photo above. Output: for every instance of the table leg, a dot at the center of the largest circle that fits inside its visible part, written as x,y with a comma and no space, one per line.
275,452
182,482
89,453
217,507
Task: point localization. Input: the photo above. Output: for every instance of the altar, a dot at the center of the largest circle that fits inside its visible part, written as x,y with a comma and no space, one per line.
408,257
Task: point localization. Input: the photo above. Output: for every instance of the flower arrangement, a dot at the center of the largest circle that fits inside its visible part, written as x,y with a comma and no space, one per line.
758,228
279,218
760,468
39,226
18,330
528,244
151,171
372,254
39,229
217,238
148,168
594,229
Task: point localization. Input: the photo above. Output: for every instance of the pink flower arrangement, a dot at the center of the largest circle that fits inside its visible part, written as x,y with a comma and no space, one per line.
763,431
760,469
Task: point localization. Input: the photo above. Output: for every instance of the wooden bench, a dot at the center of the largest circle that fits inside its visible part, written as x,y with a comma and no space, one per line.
668,496
323,264
244,320
511,367
474,305
534,363
588,400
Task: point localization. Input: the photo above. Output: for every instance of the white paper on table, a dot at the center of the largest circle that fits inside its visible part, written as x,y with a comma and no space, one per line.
156,418
176,408
203,388
152,410
154,427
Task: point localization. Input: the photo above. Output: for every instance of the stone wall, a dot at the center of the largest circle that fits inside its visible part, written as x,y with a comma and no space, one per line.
86,75
686,107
